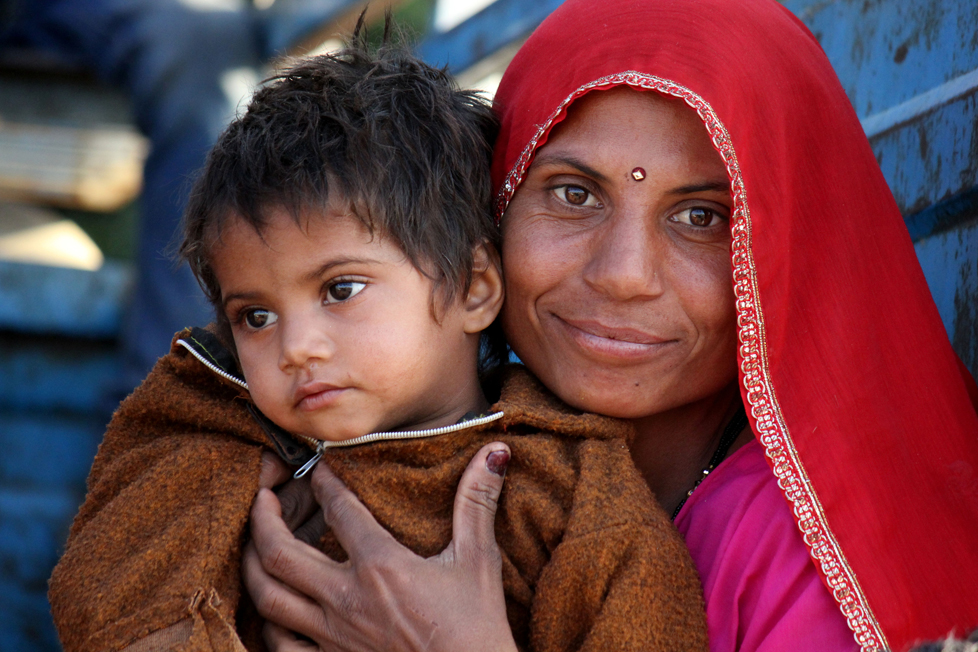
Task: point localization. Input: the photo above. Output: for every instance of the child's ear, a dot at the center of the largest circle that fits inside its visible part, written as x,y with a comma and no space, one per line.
485,295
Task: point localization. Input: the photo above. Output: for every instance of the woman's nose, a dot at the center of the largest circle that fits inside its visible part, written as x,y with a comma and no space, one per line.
624,257
304,342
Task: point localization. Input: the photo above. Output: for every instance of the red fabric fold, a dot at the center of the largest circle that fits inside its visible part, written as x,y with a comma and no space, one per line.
850,381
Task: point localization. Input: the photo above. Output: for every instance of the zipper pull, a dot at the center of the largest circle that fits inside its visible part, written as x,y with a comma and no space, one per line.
307,467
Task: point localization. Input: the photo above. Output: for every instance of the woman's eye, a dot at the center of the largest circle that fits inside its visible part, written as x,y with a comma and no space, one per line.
343,291
699,216
576,195
259,318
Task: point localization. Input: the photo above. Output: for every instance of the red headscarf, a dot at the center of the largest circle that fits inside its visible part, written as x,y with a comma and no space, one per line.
845,367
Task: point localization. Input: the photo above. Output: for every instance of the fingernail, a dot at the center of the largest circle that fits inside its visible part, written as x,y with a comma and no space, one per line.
497,461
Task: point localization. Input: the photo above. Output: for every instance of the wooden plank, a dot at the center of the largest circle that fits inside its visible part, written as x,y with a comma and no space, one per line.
48,374
33,234
910,69
94,169
950,263
39,299
498,25
887,53
54,451
931,165
39,91
33,528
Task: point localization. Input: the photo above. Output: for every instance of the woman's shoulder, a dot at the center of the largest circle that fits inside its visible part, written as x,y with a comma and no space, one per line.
762,589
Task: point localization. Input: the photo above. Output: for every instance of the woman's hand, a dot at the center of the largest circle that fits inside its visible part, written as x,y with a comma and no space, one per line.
384,597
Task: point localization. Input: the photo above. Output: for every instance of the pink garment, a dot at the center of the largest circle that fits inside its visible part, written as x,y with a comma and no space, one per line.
763,593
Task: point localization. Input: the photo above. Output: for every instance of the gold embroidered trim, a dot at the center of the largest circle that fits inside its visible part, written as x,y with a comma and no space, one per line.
770,425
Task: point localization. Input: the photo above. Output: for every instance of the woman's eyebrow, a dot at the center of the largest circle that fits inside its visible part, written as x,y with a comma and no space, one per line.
718,186
564,159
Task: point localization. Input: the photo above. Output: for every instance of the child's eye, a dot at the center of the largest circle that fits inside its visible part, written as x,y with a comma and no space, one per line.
343,291
259,318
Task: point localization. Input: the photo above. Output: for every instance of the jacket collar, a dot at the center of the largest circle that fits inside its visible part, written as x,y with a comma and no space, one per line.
295,450
210,352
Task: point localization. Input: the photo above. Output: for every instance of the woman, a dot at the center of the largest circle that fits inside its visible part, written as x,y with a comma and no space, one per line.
662,271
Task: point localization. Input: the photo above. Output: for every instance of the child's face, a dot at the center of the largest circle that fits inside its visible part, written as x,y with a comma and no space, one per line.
335,332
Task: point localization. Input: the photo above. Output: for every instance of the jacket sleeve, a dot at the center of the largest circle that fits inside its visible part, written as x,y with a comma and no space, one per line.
153,555
623,587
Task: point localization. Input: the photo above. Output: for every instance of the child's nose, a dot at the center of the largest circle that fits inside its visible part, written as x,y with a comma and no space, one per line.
303,343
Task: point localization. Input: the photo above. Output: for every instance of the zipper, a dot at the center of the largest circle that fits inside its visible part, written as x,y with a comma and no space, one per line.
210,365
322,445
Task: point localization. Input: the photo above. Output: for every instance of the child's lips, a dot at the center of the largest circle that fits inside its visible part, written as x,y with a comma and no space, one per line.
315,395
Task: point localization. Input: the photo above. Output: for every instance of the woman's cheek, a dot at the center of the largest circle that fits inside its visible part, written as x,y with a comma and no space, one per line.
709,304
518,318
530,272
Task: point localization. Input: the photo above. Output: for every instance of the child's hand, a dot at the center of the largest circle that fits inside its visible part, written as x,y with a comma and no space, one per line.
300,511
385,597
274,471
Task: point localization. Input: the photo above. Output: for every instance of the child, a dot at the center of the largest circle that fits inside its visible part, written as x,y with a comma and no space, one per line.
342,228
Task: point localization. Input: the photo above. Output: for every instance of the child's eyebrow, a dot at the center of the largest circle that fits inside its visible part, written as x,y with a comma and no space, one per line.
323,269
238,296
314,275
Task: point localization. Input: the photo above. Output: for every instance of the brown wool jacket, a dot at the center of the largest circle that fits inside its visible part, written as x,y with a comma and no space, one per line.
590,562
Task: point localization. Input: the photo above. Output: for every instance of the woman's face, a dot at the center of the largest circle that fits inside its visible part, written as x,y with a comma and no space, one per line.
618,291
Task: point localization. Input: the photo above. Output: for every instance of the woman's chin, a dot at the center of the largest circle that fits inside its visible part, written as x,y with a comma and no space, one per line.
617,401
625,394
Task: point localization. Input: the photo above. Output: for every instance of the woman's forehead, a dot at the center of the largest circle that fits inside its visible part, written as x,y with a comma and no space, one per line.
646,126
626,109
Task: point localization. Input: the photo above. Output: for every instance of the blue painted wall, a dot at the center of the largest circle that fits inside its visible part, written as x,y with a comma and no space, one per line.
950,262
57,363
910,68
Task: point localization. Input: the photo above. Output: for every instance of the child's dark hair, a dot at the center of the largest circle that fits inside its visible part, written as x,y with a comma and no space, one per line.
950,644
380,130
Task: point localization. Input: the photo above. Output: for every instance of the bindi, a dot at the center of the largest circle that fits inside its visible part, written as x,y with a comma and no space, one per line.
638,174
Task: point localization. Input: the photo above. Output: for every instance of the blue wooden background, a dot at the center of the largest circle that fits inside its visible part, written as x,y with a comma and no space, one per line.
910,68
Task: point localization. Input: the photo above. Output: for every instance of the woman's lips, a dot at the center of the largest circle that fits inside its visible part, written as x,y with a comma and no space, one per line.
315,395
609,341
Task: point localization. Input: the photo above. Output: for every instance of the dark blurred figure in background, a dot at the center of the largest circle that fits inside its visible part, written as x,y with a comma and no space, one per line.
185,65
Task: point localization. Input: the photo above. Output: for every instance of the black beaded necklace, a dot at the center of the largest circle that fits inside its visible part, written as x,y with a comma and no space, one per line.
730,433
